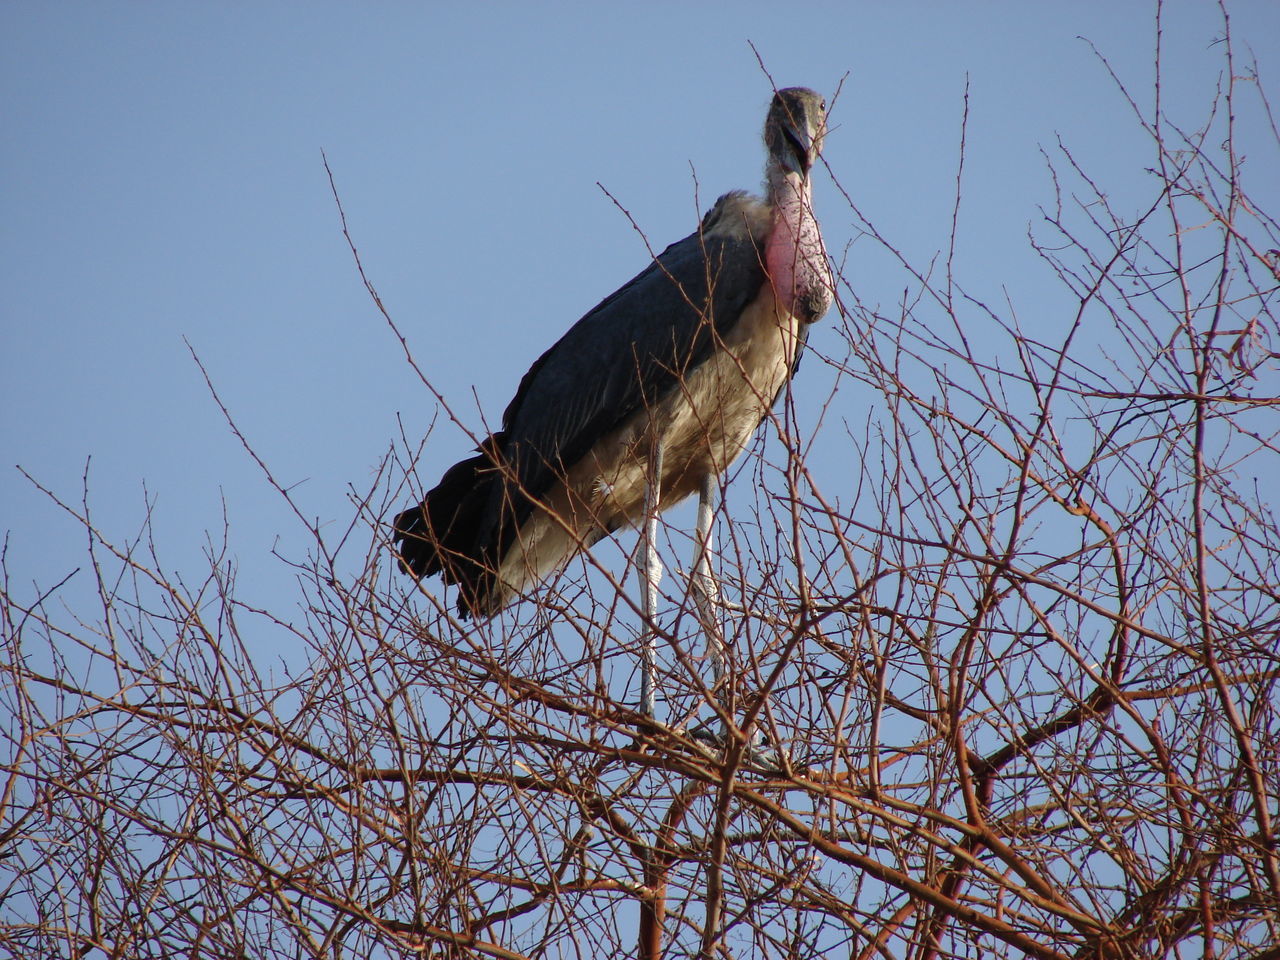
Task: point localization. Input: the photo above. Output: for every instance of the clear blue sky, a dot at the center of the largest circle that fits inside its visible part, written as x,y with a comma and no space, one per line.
163,180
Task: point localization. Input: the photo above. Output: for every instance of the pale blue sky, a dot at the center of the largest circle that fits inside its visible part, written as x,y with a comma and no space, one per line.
163,179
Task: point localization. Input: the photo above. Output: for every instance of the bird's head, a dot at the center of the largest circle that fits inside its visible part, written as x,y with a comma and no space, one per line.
794,128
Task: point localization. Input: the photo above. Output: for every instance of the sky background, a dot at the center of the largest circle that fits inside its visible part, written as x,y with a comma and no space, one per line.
163,184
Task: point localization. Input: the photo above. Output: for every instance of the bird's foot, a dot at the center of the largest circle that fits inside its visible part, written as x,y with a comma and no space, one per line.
760,754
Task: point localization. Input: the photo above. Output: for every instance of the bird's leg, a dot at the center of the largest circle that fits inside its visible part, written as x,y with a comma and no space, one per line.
651,572
706,595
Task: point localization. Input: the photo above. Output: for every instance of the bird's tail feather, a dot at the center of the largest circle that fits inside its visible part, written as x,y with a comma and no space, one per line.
441,534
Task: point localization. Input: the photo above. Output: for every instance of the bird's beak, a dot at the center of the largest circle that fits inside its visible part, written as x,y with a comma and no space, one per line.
798,157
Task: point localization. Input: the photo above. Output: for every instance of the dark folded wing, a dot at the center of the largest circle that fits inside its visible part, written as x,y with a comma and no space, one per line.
626,353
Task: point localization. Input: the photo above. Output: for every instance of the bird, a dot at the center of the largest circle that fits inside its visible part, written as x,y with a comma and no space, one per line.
647,399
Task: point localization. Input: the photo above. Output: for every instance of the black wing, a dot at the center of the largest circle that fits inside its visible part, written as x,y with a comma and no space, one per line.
626,353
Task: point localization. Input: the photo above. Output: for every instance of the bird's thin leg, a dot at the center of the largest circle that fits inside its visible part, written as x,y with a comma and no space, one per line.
706,594
651,572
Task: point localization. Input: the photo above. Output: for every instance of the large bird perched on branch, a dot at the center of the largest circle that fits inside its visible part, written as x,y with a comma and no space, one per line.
647,398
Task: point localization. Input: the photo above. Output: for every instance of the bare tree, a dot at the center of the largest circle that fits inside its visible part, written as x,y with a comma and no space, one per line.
1004,686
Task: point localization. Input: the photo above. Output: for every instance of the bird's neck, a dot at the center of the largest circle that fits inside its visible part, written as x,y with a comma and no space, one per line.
794,255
